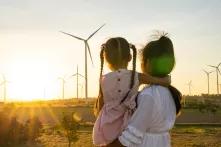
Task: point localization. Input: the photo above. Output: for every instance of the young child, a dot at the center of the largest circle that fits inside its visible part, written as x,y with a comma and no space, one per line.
118,90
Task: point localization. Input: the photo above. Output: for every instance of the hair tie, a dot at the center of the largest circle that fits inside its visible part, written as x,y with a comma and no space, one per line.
131,45
119,50
103,46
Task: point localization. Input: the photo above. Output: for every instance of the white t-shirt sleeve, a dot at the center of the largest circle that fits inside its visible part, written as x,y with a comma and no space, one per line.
139,122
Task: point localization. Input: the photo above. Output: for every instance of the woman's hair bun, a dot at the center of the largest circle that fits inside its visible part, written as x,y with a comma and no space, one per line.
163,37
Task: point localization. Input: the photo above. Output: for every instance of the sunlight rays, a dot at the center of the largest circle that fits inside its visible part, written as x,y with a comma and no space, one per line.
29,81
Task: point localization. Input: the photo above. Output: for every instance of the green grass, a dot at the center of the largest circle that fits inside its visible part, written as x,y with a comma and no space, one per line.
181,135
196,136
188,135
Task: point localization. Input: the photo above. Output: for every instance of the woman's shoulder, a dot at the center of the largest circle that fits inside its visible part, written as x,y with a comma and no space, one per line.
150,96
146,97
147,90
153,90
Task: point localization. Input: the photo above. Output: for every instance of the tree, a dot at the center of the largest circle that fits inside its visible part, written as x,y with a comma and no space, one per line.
70,126
32,128
12,132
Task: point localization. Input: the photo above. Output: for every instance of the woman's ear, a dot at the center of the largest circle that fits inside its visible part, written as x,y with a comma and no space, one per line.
142,67
145,66
129,58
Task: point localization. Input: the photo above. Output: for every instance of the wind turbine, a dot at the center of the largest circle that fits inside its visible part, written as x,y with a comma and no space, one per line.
184,98
81,85
220,86
208,74
87,48
4,84
62,83
217,75
77,74
189,85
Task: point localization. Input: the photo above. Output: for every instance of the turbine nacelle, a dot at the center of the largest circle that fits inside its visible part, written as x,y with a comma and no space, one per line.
216,67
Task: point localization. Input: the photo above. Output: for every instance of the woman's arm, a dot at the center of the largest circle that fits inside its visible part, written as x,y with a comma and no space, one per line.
147,79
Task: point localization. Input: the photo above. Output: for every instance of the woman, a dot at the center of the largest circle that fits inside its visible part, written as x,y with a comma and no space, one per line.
158,106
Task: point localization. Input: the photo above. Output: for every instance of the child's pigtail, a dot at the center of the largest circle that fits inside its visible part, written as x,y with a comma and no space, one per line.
102,60
134,64
119,51
133,71
99,101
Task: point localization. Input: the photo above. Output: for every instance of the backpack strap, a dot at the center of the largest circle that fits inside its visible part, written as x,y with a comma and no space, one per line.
125,97
136,99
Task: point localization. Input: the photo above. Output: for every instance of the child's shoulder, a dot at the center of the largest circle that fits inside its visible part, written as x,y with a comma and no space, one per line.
122,75
118,73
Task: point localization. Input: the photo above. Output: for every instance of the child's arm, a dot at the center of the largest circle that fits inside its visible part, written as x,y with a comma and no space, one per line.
147,79
115,143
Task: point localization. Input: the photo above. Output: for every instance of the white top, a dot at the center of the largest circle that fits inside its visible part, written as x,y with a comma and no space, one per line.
150,124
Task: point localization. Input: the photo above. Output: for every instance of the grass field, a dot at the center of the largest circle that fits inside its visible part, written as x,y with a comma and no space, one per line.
182,136
51,115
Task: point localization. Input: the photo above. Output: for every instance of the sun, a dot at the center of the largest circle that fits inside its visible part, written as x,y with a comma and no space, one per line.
29,80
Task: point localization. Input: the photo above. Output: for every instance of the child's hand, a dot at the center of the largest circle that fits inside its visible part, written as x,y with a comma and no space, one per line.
147,79
165,81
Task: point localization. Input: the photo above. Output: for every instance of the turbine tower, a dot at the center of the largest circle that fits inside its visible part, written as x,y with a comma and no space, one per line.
87,49
189,85
217,75
4,84
77,74
81,85
220,86
62,85
208,74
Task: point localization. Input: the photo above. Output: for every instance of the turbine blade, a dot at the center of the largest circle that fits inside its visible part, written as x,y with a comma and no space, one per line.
205,71
95,32
72,36
190,83
89,50
219,64
212,66
81,75
219,71
74,75
61,78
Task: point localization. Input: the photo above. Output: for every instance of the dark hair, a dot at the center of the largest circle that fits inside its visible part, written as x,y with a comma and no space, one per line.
160,54
116,51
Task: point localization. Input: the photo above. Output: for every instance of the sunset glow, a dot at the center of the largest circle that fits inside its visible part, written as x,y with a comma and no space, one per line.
33,53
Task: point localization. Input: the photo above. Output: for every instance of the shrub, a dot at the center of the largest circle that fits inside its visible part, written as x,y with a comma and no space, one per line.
70,126
12,132
32,128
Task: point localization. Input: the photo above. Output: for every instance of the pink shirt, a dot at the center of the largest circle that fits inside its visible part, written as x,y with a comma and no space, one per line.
114,115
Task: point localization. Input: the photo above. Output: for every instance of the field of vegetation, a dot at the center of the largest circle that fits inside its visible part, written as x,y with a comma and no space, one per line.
182,136
63,124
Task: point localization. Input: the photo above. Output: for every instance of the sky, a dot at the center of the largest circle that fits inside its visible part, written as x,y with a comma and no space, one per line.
34,54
